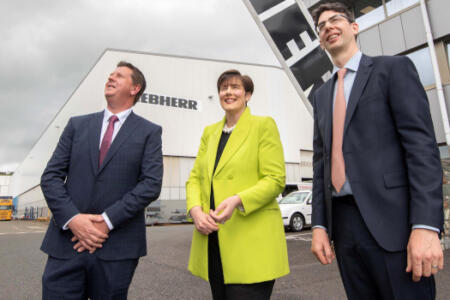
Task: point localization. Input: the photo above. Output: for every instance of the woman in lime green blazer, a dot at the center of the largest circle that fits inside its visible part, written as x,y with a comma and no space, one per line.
238,243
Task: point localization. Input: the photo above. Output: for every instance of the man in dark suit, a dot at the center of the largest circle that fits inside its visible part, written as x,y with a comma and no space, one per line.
104,172
377,189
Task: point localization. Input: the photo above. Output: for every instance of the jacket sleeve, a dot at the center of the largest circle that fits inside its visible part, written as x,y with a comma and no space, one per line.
54,177
149,184
319,215
411,113
271,170
193,184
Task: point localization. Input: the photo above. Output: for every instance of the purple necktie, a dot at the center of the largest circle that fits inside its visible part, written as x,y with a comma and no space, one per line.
106,142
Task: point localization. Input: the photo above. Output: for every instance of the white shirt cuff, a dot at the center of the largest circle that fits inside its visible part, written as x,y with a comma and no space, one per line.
66,226
420,226
107,221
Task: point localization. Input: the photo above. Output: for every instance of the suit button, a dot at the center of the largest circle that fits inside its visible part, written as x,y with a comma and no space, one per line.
230,177
329,186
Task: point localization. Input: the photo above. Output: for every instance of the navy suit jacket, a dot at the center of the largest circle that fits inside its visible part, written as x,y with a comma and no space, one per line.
391,157
128,180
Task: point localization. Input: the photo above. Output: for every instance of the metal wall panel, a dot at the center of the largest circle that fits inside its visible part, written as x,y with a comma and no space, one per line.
370,42
4,190
31,200
436,115
438,11
413,29
293,172
309,3
391,34
447,98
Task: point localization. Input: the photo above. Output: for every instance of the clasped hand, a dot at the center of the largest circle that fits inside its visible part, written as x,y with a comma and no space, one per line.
90,231
207,223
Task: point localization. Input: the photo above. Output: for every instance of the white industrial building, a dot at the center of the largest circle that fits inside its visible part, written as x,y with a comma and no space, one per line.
5,177
181,96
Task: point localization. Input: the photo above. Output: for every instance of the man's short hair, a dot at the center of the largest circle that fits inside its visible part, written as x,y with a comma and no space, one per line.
137,78
334,6
246,80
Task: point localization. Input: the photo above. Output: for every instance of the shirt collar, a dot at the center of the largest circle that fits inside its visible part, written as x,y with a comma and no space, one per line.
352,64
123,115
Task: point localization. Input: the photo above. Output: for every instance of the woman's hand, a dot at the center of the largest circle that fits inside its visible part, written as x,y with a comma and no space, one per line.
225,210
203,222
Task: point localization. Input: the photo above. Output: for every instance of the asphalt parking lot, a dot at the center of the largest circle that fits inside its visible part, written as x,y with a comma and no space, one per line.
162,273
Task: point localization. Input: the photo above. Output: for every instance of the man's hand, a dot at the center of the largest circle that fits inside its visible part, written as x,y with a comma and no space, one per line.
425,255
321,247
203,222
100,225
225,209
84,230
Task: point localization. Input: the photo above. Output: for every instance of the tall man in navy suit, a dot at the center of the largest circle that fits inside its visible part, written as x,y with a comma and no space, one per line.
377,189
104,172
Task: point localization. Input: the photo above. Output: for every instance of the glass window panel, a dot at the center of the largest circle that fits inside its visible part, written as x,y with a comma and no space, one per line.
394,6
422,60
448,53
368,12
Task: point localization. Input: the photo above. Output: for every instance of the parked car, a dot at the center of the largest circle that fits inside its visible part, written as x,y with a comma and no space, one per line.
296,210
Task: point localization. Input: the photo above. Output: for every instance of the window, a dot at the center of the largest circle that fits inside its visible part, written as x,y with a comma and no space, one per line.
448,53
394,6
368,12
422,60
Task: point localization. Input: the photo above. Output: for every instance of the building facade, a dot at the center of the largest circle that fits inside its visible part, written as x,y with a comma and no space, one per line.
182,97
396,27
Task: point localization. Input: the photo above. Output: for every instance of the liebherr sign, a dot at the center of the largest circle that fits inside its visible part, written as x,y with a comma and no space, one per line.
288,28
168,101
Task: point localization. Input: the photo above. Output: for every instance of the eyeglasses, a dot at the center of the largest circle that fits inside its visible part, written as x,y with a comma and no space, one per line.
333,20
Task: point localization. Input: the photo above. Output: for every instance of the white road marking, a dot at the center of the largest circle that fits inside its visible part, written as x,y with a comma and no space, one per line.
21,232
306,237
34,227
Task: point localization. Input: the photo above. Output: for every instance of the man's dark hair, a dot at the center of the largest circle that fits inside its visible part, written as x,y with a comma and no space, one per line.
334,6
137,77
246,80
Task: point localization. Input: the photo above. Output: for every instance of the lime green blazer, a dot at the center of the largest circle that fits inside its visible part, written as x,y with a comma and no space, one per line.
252,242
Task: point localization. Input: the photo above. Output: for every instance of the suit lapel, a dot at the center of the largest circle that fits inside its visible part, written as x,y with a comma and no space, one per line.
237,137
125,131
364,70
327,112
95,128
213,144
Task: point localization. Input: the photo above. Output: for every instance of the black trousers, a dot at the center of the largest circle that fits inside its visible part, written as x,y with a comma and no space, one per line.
367,270
222,291
86,276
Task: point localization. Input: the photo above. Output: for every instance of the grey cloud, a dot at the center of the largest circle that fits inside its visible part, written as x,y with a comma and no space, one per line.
48,47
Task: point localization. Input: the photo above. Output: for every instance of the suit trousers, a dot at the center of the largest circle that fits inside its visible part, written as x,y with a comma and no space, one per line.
222,291
367,270
86,276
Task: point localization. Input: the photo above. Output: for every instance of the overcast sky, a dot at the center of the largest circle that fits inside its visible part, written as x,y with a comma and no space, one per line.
48,46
